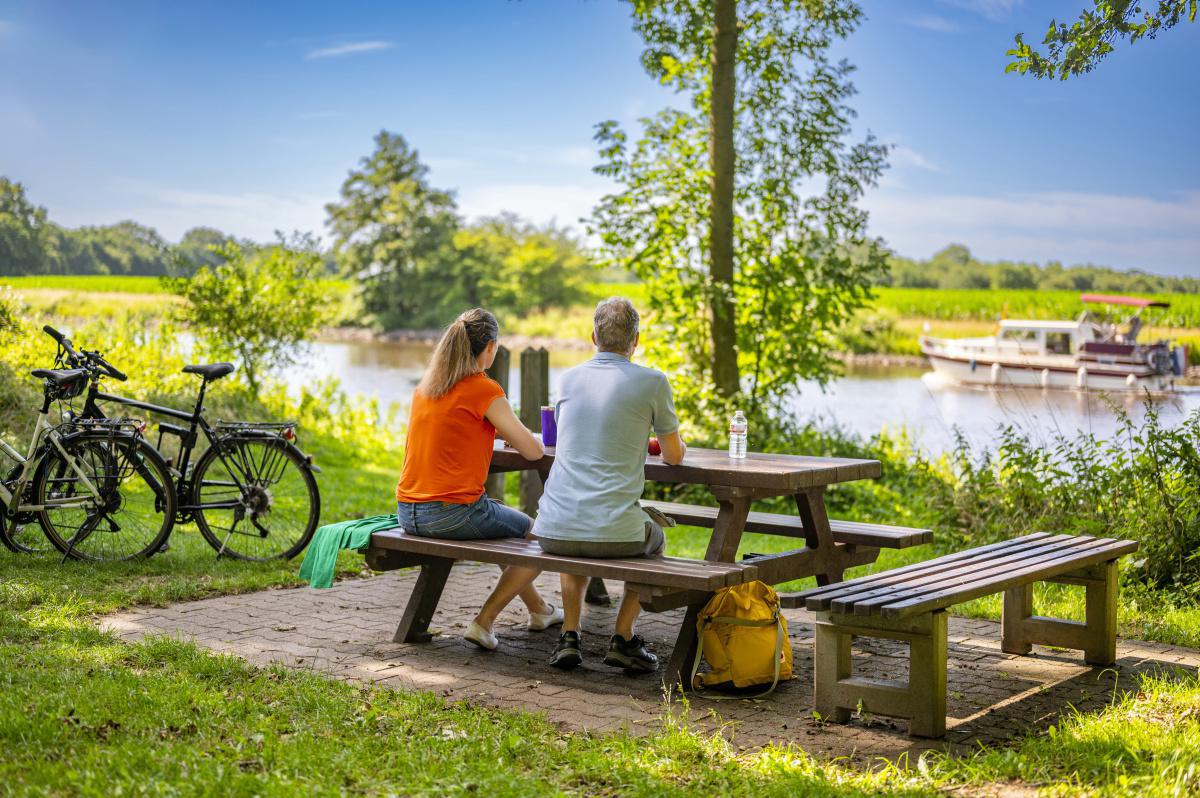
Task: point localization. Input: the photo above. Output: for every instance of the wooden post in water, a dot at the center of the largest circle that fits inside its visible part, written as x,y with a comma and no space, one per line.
535,392
499,373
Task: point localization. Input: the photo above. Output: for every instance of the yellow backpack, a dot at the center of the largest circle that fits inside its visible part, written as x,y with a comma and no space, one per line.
744,637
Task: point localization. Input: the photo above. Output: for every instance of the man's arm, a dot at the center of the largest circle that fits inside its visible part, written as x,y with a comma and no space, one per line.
664,418
510,428
673,448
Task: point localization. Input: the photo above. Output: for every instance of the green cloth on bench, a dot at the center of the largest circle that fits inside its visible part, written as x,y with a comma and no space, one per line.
320,561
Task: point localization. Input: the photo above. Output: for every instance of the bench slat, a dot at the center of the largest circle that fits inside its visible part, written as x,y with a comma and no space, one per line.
1108,550
818,599
667,572
883,590
964,573
849,532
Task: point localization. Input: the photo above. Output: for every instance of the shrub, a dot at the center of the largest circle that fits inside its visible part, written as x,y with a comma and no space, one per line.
257,307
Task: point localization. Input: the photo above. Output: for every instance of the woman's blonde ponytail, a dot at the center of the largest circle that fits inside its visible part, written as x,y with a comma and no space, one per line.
455,356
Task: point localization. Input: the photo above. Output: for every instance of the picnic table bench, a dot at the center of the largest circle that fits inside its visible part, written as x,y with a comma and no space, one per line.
673,582
910,604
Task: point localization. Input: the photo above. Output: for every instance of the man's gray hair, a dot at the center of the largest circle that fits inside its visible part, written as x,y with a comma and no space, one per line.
616,325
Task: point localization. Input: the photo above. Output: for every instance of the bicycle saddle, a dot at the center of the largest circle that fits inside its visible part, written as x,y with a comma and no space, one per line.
58,376
211,371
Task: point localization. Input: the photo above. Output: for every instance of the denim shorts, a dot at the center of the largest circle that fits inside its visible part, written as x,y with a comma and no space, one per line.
482,519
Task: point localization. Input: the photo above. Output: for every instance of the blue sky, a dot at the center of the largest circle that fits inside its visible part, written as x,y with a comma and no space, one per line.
248,118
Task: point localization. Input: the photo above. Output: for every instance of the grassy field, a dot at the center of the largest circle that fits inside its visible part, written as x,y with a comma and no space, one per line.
986,304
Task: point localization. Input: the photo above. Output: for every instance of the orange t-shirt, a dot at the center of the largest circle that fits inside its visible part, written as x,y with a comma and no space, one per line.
449,445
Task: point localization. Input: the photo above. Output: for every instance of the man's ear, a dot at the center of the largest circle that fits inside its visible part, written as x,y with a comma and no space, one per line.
637,339
594,343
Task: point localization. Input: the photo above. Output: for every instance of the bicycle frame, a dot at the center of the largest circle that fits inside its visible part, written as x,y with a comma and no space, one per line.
43,432
195,421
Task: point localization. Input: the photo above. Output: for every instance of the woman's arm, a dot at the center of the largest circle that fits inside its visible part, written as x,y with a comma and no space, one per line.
510,428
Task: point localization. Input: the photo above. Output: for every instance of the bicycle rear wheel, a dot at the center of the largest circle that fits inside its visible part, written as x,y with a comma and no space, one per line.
133,513
255,498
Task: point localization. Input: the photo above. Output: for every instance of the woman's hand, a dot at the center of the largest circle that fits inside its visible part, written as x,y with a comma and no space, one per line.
510,428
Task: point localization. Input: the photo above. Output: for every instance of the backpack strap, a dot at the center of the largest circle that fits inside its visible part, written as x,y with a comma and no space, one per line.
732,621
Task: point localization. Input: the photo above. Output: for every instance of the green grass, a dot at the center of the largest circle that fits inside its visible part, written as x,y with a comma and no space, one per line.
987,304
83,714
91,283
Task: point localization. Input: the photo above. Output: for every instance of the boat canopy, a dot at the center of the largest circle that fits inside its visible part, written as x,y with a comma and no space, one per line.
1131,301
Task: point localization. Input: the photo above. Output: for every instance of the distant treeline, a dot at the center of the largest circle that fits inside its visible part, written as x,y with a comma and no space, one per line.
955,268
30,244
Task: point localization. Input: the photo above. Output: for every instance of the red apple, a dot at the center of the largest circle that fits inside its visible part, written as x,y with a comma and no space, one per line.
654,448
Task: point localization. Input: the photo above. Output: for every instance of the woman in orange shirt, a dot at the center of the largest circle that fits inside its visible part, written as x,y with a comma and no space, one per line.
456,412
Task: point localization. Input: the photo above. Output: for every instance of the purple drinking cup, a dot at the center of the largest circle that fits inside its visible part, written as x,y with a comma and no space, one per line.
549,427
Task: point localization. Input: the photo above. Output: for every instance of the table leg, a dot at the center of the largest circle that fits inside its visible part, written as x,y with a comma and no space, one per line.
679,666
731,523
597,593
819,536
414,625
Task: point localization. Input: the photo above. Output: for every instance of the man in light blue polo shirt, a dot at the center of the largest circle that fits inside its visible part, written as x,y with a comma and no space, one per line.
605,412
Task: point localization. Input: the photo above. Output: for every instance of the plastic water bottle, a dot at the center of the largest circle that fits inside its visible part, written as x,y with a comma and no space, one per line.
737,435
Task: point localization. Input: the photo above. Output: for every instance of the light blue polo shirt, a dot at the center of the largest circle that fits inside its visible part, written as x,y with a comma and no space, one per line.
605,412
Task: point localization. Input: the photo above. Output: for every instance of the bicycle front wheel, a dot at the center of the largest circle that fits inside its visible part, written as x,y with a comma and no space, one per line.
109,498
255,498
23,536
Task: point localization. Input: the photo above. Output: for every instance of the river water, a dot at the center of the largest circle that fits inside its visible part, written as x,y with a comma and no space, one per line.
864,401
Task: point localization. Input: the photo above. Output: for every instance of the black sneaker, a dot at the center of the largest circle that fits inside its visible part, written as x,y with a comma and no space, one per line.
569,652
630,654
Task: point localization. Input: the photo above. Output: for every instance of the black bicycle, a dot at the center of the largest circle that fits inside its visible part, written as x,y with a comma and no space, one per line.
252,492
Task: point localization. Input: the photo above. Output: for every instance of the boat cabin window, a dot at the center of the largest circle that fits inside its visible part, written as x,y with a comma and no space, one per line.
1058,343
1020,336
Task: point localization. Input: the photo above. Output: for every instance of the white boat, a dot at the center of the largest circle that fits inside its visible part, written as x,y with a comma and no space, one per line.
1094,352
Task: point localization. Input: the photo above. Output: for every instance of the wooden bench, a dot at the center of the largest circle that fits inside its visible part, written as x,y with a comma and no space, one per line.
910,604
855,533
678,581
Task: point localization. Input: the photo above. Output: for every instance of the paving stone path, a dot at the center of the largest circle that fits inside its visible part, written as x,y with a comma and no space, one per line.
346,632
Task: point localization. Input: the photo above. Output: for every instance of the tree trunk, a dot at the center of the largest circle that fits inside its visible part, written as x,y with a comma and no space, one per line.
721,159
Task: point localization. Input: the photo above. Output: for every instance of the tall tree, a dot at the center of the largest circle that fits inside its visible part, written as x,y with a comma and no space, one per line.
393,232
722,156
799,261
1080,46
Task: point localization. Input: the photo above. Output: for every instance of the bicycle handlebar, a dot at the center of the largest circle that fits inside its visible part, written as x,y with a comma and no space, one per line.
109,368
61,339
78,358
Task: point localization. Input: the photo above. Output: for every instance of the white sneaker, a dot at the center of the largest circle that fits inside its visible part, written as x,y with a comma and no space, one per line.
539,622
481,637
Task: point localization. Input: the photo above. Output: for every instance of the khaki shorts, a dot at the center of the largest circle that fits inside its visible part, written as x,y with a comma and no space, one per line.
652,546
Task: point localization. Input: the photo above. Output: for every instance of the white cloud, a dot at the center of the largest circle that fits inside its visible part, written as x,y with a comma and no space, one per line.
933,22
994,10
174,211
353,48
566,204
1154,234
904,156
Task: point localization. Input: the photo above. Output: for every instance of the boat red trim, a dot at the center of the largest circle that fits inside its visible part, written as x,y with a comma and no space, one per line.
1131,301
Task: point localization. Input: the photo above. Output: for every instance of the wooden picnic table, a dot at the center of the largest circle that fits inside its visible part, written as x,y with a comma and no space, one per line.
734,484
